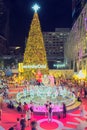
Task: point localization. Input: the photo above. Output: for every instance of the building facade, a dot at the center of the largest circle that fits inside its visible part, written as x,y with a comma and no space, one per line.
3,17
3,48
54,44
77,6
76,45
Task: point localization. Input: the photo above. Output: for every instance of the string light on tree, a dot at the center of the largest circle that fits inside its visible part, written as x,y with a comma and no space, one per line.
35,54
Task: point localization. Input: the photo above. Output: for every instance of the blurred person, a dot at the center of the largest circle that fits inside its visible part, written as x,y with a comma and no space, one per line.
50,112
33,125
25,106
81,110
18,126
12,128
28,117
46,108
19,107
82,92
10,104
85,92
0,114
1,127
22,122
64,110
78,96
1,101
59,111
31,108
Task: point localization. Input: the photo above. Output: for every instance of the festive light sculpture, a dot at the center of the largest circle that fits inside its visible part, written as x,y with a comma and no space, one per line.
35,54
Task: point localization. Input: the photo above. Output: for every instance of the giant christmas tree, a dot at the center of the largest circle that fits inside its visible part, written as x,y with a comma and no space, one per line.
35,54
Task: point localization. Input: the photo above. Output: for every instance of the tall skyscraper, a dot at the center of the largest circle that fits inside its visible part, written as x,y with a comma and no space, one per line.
3,48
4,21
54,44
76,45
3,17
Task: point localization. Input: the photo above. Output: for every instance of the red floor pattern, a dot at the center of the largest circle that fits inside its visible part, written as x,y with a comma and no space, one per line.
51,125
9,118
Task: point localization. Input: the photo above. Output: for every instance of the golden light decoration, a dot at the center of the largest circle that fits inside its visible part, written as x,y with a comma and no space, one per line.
81,74
20,67
35,53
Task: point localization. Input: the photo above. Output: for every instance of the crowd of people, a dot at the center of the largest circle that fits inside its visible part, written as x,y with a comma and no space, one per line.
27,111
26,118
21,124
27,114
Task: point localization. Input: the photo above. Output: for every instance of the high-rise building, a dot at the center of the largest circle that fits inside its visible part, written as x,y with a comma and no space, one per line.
76,45
77,6
3,48
54,44
3,17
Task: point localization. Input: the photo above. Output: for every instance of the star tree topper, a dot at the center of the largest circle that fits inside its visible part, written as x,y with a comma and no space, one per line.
35,7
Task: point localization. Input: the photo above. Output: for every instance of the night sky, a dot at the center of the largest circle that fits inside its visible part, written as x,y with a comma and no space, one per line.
52,14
